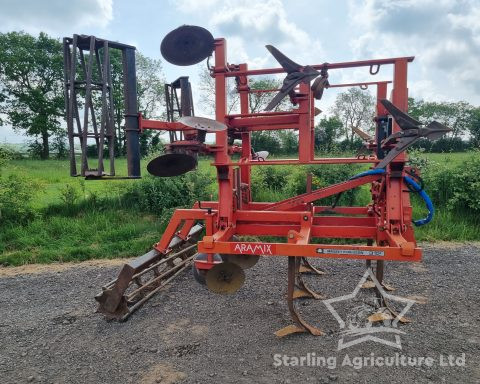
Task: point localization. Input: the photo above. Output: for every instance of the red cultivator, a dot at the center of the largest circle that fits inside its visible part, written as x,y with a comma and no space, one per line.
385,225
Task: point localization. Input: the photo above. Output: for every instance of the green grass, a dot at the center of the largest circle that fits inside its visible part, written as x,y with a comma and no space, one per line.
449,159
53,175
89,230
91,235
93,232
450,226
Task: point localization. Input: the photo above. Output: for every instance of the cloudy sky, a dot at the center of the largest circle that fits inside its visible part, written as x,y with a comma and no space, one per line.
443,35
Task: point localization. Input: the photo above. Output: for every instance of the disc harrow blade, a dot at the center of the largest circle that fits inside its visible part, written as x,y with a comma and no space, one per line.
171,164
187,45
225,278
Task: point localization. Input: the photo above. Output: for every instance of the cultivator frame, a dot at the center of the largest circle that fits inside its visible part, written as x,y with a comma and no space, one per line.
385,222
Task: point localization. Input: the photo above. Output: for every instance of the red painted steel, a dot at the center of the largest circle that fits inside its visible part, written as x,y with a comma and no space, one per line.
386,221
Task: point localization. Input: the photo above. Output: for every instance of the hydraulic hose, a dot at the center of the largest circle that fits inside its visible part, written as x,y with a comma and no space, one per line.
368,173
426,199
416,188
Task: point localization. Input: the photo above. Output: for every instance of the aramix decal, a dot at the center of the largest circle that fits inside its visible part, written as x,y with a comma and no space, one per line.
253,249
350,252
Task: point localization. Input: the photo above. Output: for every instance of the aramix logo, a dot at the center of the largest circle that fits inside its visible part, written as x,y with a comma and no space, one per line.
252,248
358,327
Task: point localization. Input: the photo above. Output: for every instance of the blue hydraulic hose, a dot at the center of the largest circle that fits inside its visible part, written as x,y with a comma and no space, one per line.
416,187
425,198
368,173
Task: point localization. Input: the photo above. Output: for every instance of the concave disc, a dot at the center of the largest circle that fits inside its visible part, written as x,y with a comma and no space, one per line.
225,278
187,45
171,164
202,123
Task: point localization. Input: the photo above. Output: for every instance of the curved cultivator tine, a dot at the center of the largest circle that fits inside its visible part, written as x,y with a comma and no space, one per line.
403,120
296,74
300,324
288,64
412,131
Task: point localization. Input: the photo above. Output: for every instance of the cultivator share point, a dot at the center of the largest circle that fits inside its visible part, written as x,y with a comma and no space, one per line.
211,237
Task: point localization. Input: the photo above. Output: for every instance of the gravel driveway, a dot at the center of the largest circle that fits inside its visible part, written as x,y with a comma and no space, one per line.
49,332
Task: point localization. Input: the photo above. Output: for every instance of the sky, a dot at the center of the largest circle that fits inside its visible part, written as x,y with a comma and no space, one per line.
443,35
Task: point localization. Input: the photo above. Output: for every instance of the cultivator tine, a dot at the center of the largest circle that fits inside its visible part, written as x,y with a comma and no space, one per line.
301,289
411,132
141,278
403,120
307,267
300,324
288,64
369,283
395,314
299,293
386,311
296,74
305,288
365,136
435,130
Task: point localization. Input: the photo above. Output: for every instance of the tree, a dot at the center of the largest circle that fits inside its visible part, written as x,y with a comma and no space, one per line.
457,116
150,87
266,141
474,127
326,132
355,109
31,73
257,100
289,141
150,97
207,92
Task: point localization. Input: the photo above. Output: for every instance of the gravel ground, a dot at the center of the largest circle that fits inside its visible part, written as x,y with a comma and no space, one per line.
49,332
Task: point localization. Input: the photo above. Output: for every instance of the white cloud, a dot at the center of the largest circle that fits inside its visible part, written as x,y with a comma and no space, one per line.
54,16
249,25
193,6
444,35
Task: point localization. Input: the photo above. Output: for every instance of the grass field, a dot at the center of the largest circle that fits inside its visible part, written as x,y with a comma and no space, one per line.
53,175
89,229
449,159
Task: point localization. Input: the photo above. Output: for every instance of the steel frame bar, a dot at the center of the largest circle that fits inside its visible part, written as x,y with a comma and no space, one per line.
328,66
311,250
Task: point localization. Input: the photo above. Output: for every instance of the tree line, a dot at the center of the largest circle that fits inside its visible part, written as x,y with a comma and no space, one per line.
356,108
32,102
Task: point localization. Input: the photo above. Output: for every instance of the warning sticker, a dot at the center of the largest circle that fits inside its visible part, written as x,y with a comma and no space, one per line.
358,252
